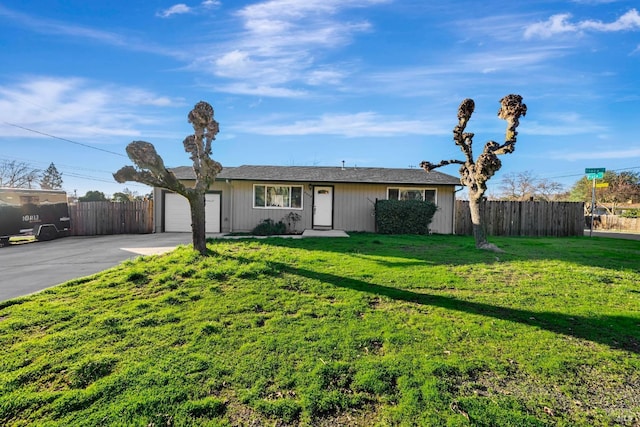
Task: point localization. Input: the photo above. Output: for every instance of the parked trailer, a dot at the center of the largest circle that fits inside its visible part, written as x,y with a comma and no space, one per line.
40,213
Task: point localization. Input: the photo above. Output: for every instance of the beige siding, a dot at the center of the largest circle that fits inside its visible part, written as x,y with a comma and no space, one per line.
353,206
246,217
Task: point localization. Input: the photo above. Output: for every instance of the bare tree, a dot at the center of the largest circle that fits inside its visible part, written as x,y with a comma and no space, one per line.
17,174
518,186
522,186
475,173
152,171
549,190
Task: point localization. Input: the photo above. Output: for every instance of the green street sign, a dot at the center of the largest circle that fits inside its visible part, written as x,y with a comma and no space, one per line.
595,173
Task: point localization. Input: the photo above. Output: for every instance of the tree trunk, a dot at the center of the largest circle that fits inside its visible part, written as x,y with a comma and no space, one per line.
476,221
198,230
475,207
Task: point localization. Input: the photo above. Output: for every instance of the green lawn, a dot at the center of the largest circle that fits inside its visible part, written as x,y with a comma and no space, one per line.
370,330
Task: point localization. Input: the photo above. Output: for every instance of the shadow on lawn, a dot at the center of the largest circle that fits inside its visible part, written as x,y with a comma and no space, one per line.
460,250
617,332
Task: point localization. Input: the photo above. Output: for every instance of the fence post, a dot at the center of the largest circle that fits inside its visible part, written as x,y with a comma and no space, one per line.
531,218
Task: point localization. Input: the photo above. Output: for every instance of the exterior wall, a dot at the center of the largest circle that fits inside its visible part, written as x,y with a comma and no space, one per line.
246,217
353,207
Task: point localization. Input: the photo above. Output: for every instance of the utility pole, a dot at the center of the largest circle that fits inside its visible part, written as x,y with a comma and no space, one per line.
593,174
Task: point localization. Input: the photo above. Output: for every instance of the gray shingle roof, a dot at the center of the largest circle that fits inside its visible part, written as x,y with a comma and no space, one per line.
327,174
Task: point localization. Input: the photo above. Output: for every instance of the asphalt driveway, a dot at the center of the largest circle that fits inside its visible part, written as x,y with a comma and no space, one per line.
32,267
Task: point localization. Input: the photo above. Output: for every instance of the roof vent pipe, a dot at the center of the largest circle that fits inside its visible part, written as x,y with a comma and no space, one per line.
343,165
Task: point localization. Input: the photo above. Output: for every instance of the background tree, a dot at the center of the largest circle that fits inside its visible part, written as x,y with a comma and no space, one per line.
93,196
518,186
126,195
522,186
17,174
152,171
51,179
550,190
623,187
474,174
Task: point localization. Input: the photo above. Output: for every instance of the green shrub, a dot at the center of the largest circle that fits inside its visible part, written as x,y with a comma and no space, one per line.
631,213
268,228
404,216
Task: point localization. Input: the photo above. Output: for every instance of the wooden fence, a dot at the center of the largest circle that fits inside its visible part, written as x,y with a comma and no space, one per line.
615,222
97,218
524,218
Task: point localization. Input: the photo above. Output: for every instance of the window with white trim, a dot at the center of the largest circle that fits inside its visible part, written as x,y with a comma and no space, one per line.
277,196
411,193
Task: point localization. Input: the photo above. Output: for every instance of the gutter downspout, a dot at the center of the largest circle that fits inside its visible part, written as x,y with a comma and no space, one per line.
231,207
453,219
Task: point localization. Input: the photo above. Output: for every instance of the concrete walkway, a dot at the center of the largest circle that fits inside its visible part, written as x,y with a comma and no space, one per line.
324,233
306,233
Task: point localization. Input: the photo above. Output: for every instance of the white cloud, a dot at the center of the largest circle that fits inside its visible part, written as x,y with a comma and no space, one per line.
594,2
325,77
176,9
47,26
564,124
628,21
59,28
233,64
210,4
595,154
556,24
78,108
271,91
560,23
282,44
364,124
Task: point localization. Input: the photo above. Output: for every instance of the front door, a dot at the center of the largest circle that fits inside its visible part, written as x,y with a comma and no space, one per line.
323,207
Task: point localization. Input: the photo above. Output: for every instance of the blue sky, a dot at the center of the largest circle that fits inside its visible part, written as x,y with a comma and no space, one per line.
315,82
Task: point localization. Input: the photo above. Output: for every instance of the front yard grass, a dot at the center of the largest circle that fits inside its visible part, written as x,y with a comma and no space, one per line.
370,330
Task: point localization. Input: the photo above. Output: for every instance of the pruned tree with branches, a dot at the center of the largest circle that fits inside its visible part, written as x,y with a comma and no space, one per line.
150,168
474,174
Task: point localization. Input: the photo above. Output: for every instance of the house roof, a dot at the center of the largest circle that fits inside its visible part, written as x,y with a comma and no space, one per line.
327,174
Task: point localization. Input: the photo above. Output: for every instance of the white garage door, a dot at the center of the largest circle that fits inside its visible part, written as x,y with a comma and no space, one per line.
177,214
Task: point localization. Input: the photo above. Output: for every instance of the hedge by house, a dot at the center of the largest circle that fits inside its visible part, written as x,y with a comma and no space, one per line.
404,216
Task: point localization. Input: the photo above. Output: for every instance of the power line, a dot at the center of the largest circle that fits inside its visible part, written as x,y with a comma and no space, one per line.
91,178
582,174
65,172
63,139
58,165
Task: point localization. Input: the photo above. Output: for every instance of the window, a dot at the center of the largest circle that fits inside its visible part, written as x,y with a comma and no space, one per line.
427,194
277,196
